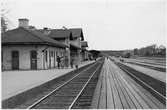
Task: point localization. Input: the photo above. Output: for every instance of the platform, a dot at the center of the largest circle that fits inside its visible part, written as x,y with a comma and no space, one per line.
153,73
116,90
147,62
15,82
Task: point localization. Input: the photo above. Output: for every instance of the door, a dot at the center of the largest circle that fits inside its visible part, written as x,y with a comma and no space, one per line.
50,55
54,59
15,60
33,59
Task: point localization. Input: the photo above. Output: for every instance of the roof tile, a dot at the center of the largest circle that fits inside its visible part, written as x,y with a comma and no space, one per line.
22,35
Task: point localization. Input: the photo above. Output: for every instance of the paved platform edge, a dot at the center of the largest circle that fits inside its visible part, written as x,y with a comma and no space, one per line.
13,101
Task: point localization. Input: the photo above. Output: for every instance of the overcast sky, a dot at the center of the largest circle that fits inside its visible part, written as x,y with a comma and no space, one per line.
106,24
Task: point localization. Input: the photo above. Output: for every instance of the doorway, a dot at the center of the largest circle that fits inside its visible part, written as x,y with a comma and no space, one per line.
15,60
33,59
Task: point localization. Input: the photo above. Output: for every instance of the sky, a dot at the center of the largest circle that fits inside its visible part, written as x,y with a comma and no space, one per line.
106,24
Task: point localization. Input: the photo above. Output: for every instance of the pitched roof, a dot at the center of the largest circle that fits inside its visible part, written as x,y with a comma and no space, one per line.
84,44
77,32
59,33
21,35
63,33
75,46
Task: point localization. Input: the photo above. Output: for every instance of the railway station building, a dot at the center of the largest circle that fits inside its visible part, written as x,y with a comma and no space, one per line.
62,36
26,47
85,52
75,45
71,37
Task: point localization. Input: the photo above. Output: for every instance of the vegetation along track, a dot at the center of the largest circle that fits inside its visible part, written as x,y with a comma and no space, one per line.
155,87
67,94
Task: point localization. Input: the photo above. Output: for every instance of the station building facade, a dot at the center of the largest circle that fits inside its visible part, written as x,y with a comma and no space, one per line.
26,48
85,52
75,45
72,38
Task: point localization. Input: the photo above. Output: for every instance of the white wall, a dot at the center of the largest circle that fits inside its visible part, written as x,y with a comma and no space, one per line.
24,56
54,49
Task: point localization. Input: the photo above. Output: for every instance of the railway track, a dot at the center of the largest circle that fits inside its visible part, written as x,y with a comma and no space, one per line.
84,101
69,94
151,67
25,99
154,86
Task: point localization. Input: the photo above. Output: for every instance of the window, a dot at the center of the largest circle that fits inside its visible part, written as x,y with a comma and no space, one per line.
33,60
33,54
56,53
61,54
15,60
52,54
46,56
1,55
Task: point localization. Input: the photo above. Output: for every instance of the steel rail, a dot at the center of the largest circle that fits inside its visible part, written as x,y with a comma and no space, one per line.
41,99
83,88
143,83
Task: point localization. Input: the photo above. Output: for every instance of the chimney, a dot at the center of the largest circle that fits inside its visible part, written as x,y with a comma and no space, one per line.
46,31
24,23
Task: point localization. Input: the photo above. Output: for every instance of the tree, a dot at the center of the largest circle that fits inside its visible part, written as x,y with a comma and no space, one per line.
151,50
3,25
162,50
135,51
127,55
4,18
